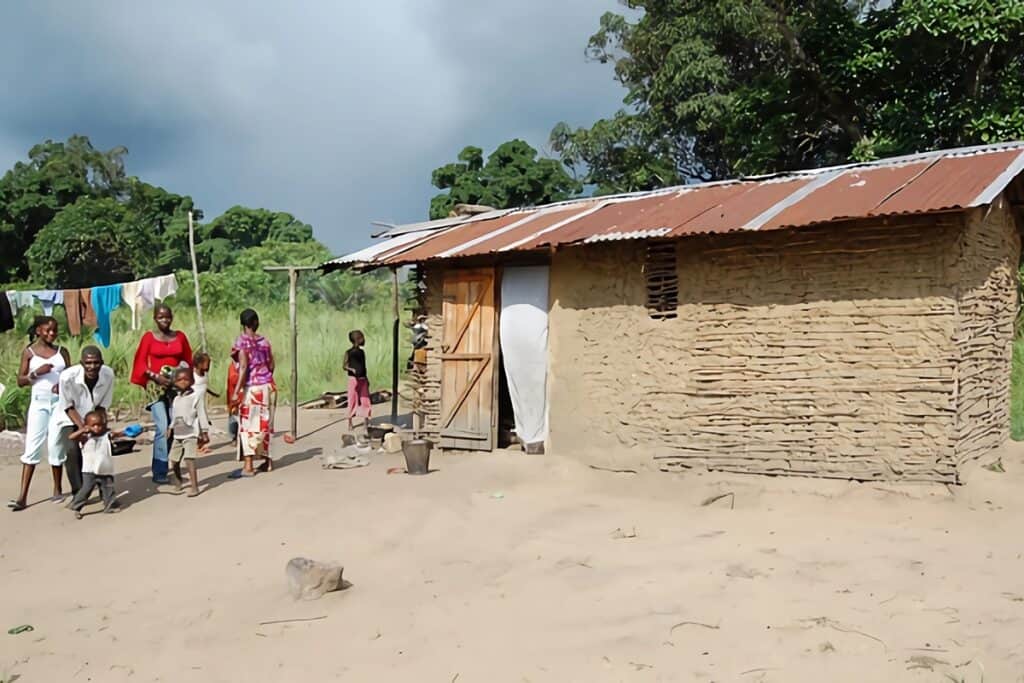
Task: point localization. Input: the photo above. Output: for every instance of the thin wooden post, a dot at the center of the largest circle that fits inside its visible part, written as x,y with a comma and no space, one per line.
195,281
293,281
394,348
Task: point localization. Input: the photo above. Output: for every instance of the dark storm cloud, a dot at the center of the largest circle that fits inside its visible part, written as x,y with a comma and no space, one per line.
336,112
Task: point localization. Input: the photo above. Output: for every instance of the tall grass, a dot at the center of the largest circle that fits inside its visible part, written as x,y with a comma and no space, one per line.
1017,392
323,339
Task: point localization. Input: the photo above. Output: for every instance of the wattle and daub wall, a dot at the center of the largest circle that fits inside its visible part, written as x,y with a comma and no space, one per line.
863,350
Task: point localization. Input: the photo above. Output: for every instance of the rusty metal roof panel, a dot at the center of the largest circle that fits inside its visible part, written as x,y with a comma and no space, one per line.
920,183
530,224
736,207
445,240
855,193
604,217
953,183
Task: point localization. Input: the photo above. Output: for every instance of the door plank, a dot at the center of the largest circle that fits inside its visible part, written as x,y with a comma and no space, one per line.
465,392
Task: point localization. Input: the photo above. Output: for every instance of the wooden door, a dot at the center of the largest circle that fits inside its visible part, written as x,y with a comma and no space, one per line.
468,360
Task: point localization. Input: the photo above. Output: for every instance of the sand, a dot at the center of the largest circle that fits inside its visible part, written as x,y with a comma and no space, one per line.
504,567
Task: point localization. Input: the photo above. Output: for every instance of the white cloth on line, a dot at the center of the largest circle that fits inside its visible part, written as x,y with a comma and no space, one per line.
130,296
524,348
164,286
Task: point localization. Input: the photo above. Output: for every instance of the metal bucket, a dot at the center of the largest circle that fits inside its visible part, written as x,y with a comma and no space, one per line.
417,455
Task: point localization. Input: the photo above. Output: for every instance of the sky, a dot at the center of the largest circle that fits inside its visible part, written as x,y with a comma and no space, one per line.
336,112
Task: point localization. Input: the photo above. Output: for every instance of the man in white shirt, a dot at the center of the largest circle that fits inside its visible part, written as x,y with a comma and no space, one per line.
84,387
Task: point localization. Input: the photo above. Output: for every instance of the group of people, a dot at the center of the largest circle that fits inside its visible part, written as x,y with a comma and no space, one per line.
68,413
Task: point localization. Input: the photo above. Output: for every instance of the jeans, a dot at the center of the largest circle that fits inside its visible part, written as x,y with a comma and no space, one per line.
40,428
161,414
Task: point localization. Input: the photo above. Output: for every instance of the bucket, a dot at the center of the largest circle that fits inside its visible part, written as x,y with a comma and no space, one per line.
417,455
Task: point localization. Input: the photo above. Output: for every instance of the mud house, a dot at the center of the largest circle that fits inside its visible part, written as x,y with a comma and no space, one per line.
851,322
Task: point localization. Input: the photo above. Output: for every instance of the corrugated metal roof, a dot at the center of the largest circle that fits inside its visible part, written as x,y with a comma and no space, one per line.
921,183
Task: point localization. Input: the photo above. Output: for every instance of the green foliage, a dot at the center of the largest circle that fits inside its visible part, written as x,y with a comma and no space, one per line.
92,242
56,175
239,228
1017,392
166,215
245,283
716,89
512,176
616,155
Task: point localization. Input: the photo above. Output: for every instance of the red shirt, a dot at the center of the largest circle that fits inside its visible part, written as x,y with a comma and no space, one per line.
154,354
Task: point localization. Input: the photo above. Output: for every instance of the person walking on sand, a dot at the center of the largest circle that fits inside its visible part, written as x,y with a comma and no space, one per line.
97,462
84,388
42,361
161,351
255,393
358,382
189,428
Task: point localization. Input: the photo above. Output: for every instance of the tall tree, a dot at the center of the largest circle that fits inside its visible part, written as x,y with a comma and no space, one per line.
239,228
56,175
92,242
165,214
512,176
716,89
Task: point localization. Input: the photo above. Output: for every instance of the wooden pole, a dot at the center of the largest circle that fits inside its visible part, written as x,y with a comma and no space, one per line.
195,280
293,279
394,348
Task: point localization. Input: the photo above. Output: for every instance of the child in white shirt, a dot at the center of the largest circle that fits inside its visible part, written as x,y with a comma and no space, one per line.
188,428
97,462
201,375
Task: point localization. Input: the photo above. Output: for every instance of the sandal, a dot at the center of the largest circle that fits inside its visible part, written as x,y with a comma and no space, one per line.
15,506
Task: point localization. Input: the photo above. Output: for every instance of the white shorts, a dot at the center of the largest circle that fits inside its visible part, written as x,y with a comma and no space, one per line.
41,428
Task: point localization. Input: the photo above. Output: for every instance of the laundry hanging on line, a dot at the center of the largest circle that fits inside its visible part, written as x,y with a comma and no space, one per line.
91,307
141,295
105,299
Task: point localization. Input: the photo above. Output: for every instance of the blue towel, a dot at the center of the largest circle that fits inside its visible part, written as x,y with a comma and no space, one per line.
104,300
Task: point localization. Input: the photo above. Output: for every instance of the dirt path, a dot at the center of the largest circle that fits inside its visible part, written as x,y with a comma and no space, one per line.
512,568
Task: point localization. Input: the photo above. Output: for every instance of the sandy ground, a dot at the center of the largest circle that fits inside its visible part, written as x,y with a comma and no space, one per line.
505,567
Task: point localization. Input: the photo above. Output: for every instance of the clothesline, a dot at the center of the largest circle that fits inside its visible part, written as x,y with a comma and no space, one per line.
91,306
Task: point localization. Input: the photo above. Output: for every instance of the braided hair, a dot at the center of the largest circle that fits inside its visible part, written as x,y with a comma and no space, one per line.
37,322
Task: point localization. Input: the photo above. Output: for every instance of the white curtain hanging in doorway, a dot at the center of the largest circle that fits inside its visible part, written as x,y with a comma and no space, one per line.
524,348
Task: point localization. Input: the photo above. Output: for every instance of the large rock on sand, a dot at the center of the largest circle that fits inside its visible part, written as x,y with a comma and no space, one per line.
309,579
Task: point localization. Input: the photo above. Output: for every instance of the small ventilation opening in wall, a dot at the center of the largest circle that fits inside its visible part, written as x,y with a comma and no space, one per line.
662,279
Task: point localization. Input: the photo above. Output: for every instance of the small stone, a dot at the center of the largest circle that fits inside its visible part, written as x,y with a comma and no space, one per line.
310,580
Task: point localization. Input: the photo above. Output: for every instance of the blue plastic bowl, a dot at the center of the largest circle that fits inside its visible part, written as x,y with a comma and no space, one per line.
133,430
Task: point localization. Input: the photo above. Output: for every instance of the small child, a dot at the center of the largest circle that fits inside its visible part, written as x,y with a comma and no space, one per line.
201,369
358,383
188,428
97,462
232,398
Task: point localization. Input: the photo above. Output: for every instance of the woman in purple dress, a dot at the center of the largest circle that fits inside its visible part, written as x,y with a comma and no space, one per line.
255,393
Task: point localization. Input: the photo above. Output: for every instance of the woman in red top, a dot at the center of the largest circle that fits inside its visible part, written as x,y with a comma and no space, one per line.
160,353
